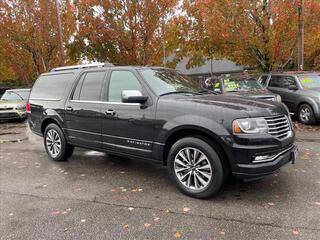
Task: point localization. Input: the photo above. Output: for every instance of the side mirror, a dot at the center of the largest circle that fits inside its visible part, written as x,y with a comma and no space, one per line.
133,96
293,88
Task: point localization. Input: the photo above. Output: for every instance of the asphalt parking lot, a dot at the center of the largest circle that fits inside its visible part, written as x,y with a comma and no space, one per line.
94,196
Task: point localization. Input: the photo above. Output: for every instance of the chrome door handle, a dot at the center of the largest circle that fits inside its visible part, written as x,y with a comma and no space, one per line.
110,112
70,109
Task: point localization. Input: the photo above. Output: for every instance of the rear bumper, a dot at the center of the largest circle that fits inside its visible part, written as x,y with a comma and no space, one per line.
258,170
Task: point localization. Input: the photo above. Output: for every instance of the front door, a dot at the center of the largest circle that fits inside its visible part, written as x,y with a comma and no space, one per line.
83,111
280,85
127,127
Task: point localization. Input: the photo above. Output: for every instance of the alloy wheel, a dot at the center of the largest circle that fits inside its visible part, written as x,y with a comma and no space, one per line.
53,143
192,168
305,114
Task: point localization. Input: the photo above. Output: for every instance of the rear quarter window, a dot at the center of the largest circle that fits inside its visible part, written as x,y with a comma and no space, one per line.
51,87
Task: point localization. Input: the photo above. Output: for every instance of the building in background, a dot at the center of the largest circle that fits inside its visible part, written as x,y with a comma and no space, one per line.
211,67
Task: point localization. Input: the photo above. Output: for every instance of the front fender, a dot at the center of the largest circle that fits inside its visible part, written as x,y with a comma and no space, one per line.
192,122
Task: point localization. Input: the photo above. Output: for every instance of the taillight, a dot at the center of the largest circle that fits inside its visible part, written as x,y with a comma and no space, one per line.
28,107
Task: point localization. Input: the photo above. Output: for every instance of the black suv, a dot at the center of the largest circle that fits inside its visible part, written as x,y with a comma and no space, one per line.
156,114
300,91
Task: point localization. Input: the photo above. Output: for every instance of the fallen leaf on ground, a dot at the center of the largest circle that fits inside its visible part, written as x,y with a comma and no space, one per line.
222,233
270,203
317,203
126,226
83,220
130,208
185,209
147,225
10,214
156,219
82,175
178,235
295,232
55,212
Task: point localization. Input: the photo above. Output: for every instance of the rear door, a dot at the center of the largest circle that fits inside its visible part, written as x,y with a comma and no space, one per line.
83,110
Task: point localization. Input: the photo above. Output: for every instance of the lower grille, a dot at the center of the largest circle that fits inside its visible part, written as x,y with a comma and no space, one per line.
6,108
279,126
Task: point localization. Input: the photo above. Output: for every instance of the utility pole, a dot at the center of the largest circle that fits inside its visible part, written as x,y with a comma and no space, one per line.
301,35
62,55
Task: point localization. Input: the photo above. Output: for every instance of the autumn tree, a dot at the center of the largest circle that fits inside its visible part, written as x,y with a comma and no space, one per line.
29,30
256,33
121,31
312,34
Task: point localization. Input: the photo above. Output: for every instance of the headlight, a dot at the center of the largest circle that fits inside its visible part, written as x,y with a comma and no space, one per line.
250,126
278,98
20,107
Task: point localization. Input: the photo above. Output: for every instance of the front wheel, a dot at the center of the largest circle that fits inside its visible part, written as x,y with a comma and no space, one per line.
55,143
195,167
306,114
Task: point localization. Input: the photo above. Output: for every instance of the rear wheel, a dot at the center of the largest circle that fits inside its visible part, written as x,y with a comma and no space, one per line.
55,143
195,167
306,114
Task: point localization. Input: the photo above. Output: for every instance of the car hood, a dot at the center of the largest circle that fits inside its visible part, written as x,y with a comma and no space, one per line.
10,103
253,93
247,106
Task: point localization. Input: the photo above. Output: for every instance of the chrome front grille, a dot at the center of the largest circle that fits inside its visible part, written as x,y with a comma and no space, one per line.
279,126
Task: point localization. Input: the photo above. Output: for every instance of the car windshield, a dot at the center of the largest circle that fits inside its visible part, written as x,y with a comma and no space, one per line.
15,95
243,84
167,81
310,81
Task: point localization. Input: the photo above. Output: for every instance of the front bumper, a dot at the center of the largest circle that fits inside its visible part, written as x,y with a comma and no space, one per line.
12,115
257,170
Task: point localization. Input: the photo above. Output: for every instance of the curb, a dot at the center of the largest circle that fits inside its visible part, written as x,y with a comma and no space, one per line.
14,140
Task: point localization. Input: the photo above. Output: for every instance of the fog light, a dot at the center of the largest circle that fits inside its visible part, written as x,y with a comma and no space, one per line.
263,158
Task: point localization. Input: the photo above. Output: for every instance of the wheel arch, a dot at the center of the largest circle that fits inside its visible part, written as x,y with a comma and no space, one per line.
48,121
192,131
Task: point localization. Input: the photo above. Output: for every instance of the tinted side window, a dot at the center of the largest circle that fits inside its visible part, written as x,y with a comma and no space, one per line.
119,81
276,81
288,81
91,86
51,86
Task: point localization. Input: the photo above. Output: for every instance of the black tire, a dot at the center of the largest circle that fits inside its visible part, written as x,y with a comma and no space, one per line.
306,115
65,151
218,172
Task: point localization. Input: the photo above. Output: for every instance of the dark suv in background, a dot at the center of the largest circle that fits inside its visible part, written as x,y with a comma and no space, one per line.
300,91
156,114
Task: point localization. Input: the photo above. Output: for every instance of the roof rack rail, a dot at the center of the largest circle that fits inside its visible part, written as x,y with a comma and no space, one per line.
92,65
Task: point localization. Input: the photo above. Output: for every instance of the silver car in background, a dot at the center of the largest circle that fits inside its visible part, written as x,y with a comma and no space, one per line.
300,91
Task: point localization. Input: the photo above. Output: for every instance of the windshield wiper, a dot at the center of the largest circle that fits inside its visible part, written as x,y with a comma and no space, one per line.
178,92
